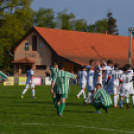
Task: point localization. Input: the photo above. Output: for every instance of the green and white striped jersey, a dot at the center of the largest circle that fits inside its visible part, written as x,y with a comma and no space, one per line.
61,80
53,71
102,96
3,76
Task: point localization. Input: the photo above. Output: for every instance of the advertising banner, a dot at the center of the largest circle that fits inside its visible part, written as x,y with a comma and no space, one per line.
47,81
10,82
37,80
22,81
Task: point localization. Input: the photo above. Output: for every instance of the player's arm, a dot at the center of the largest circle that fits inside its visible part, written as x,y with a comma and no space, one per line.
53,83
109,77
120,84
3,75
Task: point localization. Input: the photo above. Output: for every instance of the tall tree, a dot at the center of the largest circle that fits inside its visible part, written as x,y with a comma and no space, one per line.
44,18
16,20
65,20
111,22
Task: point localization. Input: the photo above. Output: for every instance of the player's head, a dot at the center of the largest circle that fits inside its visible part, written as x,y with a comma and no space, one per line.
98,86
128,66
109,62
91,62
116,66
54,64
84,68
29,67
61,66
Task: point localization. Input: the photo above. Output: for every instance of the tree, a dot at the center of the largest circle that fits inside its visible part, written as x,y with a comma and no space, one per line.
65,20
44,18
100,26
80,25
15,21
111,22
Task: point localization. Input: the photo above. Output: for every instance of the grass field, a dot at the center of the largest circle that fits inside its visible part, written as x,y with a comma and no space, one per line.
28,116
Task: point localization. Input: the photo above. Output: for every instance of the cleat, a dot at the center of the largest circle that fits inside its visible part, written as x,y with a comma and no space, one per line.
86,103
98,112
77,97
22,97
106,110
127,105
60,115
34,97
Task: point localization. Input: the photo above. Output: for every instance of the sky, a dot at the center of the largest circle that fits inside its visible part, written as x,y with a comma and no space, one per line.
93,10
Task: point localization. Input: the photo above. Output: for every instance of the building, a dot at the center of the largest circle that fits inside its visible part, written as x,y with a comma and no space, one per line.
42,46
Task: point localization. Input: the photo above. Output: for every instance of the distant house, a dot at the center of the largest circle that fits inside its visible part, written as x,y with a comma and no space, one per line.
42,46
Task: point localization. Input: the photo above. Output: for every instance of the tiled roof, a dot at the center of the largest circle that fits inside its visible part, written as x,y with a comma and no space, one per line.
79,47
23,60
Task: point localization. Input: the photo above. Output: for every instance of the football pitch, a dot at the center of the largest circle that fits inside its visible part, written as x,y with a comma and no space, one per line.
38,116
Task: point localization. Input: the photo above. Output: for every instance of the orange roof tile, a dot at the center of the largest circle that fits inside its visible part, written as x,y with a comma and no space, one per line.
79,47
24,60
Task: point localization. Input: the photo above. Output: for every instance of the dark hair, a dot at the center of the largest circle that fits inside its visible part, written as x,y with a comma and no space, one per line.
128,66
91,61
54,63
61,66
116,65
109,62
83,67
29,67
99,84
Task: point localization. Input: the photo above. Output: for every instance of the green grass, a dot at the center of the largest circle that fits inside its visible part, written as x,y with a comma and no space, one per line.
28,116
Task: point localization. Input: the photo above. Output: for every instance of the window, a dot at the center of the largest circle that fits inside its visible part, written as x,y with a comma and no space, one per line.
40,67
34,43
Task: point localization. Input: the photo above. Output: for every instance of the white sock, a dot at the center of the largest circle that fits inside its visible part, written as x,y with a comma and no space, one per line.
24,91
91,99
133,99
79,94
115,100
127,100
84,94
88,96
33,92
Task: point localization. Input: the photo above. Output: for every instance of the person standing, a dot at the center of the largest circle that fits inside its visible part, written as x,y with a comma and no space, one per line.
61,81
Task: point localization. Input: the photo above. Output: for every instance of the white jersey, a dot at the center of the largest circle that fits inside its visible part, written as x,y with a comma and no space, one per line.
82,76
29,73
90,76
108,70
115,76
98,72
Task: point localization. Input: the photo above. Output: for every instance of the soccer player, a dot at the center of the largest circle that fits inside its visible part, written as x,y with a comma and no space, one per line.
108,68
101,99
90,82
61,81
91,62
29,82
125,86
53,69
82,75
114,80
3,77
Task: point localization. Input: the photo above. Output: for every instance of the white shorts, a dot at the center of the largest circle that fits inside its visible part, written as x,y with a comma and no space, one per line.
126,90
83,85
90,86
28,85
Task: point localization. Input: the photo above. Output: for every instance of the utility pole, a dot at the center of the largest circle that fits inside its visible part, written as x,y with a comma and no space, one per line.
131,29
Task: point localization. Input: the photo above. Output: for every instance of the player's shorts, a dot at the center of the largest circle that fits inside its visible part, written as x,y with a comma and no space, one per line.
125,90
83,85
28,85
90,86
131,90
99,105
61,96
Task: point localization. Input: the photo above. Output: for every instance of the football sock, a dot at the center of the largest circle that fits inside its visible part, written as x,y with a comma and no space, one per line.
84,94
81,91
59,109
54,100
133,99
121,103
115,100
62,107
127,100
24,91
33,92
91,99
88,96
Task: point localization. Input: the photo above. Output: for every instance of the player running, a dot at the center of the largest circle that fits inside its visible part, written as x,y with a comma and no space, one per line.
53,69
114,81
125,86
82,75
61,81
101,99
90,82
29,82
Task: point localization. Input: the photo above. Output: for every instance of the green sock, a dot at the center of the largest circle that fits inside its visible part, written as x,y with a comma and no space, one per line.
59,109
54,100
97,110
62,107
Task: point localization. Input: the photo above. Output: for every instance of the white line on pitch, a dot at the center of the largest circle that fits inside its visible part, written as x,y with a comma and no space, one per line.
106,129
